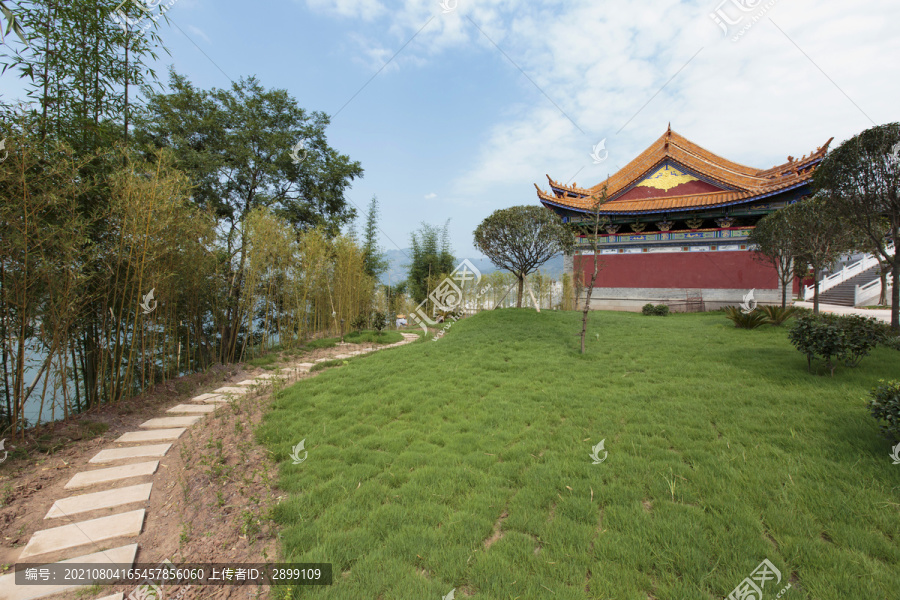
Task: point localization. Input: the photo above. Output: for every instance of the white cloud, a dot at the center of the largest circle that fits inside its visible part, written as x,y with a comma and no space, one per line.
362,9
430,196
807,70
200,33
754,101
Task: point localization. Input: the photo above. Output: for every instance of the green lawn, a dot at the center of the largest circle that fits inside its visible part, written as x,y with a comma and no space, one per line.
464,463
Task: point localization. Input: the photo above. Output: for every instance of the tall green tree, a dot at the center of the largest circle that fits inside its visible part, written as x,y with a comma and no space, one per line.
375,262
522,238
246,148
432,257
860,179
775,246
820,236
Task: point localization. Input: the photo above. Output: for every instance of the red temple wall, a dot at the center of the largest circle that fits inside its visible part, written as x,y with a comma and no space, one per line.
703,270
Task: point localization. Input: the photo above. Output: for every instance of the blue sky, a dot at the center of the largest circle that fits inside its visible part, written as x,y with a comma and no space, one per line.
455,127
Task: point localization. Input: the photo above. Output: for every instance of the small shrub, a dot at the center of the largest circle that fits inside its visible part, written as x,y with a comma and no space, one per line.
660,310
862,335
885,406
833,338
777,315
891,340
379,321
745,321
359,322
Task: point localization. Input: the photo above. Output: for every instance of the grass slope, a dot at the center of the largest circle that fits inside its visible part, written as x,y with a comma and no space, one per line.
464,463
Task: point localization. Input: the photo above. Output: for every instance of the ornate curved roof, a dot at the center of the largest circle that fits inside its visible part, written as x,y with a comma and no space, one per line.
675,174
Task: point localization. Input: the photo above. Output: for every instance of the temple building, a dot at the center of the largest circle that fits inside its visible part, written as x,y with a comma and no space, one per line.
678,220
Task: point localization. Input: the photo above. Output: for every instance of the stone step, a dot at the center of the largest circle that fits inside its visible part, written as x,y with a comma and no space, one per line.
111,454
157,435
88,478
167,422
122,556
119,596
84,532
234,391
218,399
108,499
205,397
249,382
192,408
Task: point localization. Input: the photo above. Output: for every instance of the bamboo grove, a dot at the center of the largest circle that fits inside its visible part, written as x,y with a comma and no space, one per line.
77,325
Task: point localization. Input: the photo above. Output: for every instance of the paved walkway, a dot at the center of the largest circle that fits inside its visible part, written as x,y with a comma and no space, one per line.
77,541
881,315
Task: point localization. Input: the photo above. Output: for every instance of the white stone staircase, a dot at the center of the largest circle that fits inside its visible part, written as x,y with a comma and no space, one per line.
855,283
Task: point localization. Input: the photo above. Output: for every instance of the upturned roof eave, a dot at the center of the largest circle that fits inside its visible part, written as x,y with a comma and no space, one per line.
546,201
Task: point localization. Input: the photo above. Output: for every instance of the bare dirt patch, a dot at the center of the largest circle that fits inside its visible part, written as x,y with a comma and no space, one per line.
498,533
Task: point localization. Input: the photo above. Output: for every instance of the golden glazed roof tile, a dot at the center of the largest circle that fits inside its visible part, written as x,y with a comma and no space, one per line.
740,181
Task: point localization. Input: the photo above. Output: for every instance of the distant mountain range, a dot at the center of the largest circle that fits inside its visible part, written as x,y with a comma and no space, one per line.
399,261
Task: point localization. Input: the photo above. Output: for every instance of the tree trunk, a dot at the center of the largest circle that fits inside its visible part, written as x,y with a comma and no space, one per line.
816,293
587,302
521,288
895,294
784,287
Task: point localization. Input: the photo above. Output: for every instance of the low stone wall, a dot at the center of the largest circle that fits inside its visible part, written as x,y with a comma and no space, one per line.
633,299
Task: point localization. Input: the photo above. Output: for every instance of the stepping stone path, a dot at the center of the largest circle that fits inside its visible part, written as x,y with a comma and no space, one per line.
69,536
75,537
111,454
159,435
193,408
89,478
108,499
239,391
168,422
